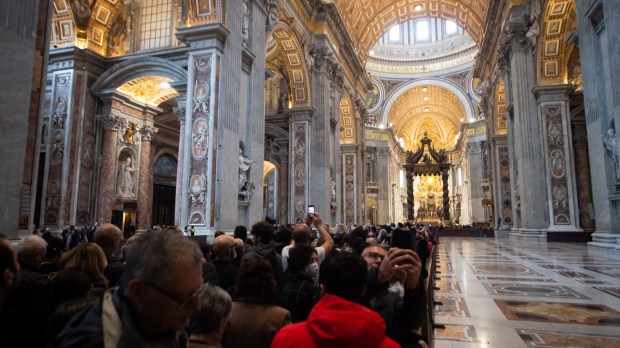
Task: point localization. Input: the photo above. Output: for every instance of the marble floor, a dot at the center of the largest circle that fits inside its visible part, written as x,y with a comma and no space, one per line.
510,293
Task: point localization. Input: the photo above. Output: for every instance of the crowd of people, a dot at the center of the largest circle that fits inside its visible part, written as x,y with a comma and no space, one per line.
300,285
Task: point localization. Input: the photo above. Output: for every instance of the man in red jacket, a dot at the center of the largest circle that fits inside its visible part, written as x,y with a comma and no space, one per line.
338,320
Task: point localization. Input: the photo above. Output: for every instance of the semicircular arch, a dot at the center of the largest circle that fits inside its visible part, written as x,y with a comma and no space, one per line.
132,69
450,86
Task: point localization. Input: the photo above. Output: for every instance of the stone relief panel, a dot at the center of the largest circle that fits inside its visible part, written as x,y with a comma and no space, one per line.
88,150
299,165
198,199
58,147
59,115
271,194
504,179
557,165
200,138
198,189
349,188
56,130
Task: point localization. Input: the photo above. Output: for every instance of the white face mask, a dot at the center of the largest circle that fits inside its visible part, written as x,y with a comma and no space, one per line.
312,269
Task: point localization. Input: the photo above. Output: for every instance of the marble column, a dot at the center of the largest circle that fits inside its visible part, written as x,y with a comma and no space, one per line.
582,176
517,48
599,32
475,164
554,113
145,184
383,179
107,177
446,193
410,198
18,35
283,187
327,82
179,112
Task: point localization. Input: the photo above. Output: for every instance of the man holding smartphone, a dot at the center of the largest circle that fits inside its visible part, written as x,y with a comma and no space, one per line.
401,314
301,235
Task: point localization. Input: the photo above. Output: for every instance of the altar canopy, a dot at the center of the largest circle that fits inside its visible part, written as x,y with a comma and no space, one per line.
428,162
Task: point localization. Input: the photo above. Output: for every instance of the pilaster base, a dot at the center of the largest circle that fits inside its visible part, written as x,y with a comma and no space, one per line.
502,233
528,233
606,240
569,236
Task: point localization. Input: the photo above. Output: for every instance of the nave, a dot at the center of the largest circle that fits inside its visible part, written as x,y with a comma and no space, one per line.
513,293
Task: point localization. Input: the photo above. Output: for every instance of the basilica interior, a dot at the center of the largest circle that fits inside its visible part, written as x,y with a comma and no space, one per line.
215,113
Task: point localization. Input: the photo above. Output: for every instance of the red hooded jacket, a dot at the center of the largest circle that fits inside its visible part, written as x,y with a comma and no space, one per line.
335,322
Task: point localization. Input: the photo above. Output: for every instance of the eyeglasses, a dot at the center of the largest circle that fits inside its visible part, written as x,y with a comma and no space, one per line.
375,256
182,302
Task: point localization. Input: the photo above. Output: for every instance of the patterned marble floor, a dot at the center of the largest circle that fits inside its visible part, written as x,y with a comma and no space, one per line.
510,293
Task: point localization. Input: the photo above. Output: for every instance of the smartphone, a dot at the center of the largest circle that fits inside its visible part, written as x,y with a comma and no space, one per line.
404,239
311,210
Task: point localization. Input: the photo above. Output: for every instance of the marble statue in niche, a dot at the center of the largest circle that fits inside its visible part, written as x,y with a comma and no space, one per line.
126,183
245,186
245,23
611,146
333,203
202,91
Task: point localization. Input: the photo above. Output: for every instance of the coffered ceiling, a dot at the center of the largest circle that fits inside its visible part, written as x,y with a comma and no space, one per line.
367,20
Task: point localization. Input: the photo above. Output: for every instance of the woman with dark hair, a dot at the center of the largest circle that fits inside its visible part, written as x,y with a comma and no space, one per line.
255,316
299,293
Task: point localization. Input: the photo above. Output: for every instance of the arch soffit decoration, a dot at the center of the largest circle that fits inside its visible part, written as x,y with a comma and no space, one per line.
295,65
449,85
144,71
367,20
347,122
553,50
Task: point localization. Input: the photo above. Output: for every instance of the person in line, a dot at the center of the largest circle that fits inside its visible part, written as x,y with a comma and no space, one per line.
299,293
338,320
256,316
401,314
160,291
207,326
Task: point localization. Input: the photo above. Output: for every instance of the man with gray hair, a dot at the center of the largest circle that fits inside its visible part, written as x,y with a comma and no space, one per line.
161,289
207,326
20,310
108,237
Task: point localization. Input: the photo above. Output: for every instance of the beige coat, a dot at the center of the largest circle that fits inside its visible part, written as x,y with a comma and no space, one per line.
254,324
